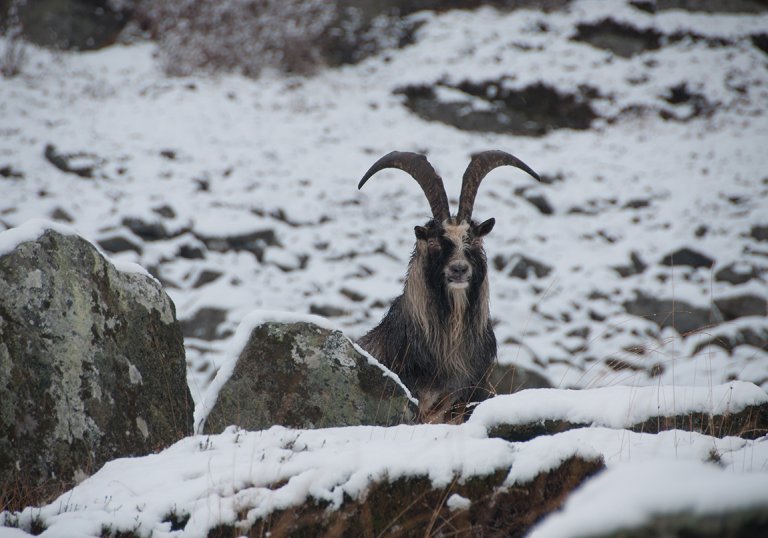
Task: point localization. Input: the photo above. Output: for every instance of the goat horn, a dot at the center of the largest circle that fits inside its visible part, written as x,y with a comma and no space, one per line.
478,168
419,168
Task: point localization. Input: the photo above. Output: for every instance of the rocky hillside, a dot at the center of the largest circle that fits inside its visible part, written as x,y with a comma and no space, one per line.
640,258
638,263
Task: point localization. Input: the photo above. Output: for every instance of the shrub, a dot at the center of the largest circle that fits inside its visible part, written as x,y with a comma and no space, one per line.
13,53
238,35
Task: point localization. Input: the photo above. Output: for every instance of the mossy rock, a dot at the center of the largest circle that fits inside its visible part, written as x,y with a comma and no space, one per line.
302,375
91,365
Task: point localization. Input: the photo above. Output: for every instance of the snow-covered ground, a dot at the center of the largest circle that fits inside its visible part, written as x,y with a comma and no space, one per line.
208,160
219,157
239,477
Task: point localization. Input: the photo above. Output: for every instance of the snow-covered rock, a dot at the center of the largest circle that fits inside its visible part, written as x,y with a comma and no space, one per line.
361,480
698,499
733,409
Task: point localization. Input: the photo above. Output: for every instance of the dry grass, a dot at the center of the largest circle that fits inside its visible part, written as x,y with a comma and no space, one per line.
243,36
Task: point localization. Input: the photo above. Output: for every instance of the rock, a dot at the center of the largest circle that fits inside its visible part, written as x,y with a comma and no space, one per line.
760,233
508,378
687,256
731,523
751,422
327,311
760,41
701,230
637,203
741,306
303,376
688,105
698,499
626,40
352,295
92,363
119,243
540,202
406,505
61,215
192,250
254,242
204,324
620,38
81,164
523,267
635,267
704,6
551,179
70,24
206,276
682,316
9,172
695,104
286,260
531,111
730,337
150,231
737,273
408,7
165,211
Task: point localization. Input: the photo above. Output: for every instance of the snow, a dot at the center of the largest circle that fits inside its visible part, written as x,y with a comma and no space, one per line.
616,407
457,502
229,155
215,479
33,229
607,504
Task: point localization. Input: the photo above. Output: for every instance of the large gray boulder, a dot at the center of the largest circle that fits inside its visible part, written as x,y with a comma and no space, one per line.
302,375
91,361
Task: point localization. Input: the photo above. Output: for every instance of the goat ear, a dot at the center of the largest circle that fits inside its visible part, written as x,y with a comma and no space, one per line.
484,228
421,232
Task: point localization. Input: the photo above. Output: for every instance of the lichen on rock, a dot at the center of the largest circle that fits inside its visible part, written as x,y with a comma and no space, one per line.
302,375
92,362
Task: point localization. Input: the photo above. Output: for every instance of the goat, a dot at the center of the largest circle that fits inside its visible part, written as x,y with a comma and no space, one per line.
437,336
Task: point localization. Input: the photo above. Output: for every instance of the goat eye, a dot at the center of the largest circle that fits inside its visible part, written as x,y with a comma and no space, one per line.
433,245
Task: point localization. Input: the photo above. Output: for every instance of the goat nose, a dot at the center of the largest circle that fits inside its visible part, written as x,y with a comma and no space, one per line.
459,269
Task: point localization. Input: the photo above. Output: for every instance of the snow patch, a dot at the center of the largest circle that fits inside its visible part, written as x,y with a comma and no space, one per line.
631,494
615,407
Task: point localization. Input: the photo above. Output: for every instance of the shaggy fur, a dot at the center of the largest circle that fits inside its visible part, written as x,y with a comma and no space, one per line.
437,338
437,335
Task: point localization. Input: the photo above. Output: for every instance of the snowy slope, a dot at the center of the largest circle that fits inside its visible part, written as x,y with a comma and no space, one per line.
241,477
240,194
226,156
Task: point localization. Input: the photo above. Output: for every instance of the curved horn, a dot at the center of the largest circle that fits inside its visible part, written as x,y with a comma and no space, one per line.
420,169
478,168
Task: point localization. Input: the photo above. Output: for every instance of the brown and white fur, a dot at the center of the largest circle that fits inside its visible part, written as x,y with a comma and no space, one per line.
437,336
